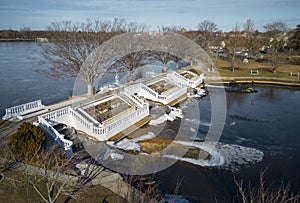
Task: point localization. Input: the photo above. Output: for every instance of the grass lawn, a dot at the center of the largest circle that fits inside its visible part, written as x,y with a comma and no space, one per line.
243,69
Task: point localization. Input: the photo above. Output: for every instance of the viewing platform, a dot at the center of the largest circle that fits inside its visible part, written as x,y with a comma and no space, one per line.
103,119
186,78
161,90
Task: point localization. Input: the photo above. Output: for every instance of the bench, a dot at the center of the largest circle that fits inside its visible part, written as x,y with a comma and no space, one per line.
254,72
294,74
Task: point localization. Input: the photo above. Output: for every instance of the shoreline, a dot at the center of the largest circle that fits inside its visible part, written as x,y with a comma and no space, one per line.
283,82
18,40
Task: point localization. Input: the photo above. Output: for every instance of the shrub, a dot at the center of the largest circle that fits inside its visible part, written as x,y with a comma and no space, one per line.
27,141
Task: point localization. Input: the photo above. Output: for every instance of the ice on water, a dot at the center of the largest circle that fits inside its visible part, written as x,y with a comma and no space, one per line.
225,156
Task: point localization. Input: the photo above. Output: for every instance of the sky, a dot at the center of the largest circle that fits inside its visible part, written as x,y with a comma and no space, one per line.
37,14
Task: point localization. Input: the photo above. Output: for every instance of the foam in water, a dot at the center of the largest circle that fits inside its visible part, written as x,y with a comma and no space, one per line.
225,156
132,144
147,136
174,113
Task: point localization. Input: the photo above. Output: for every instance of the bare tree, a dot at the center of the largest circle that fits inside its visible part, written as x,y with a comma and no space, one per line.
132,61
275,27
167,46
48,174
264,194
173,28
208,28
164,58
233,43
276,40
135,27
249,30
72,44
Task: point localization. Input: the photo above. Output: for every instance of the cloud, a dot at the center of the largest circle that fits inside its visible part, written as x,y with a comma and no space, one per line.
154,12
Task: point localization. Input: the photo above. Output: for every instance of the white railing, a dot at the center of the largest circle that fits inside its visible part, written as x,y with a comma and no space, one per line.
180,76
119,123
149,90
136,99
166,99
198,81
80,122
92,119
72,118
23,109
132,88
56,114
124,122
66,144
179,79
181,91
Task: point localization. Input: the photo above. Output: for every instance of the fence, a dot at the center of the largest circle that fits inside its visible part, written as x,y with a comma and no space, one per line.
23,109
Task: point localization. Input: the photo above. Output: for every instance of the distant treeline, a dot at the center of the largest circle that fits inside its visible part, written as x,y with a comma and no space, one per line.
21,35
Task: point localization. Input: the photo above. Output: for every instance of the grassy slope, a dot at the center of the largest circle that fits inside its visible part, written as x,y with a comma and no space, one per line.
14,189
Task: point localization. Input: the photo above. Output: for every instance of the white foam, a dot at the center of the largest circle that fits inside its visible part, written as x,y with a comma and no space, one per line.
127,144
174,113
200,93
132,144
225,156
192,130
147,136
115,156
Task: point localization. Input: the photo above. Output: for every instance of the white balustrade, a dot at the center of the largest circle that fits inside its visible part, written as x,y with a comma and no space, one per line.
61,115
92,119
136,99
149,90
23,109
179,79
80,121
66,144
132,88
75,119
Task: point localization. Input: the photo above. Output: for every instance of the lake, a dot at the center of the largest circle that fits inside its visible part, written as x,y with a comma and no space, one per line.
267,121
19,81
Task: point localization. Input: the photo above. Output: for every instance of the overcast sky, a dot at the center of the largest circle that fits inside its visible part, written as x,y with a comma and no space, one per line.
37,14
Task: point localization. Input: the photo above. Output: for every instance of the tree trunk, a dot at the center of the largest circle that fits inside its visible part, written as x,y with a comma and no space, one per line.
90,89
232,63
130,76
165,67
